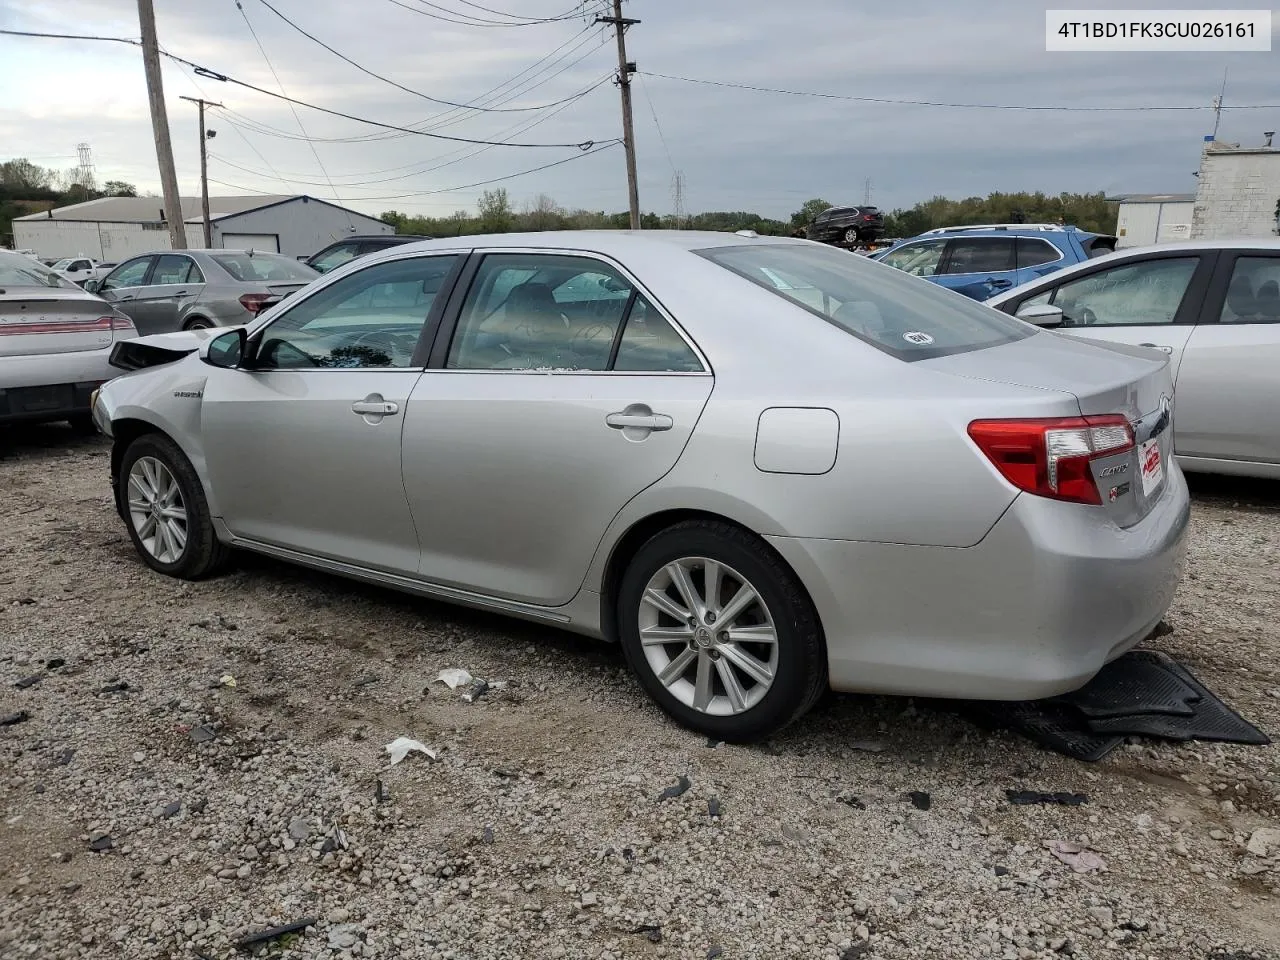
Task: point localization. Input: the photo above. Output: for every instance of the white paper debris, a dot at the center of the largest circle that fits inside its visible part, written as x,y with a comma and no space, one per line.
228,681
1079,858
455,677
400,747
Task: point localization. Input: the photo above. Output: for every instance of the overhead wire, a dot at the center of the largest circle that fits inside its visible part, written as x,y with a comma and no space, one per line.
644,88
474,21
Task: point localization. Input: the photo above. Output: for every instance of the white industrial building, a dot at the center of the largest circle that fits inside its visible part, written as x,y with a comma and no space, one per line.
1238,194
114,228
1147,218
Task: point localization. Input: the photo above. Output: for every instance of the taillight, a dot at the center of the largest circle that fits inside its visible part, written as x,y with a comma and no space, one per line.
1051,457
119,323
255,303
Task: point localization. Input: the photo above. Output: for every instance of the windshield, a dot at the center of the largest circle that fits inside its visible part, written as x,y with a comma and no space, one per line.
62,264
909,318
269,267
20,271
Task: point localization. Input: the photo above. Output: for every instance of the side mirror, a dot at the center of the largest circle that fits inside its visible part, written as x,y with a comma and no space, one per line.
93,286
1042,315
226,350
302,256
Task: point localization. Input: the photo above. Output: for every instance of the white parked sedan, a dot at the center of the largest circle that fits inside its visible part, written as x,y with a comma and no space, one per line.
55,341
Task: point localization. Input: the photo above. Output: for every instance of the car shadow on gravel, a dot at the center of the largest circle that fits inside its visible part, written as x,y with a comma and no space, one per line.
36,440
1248,493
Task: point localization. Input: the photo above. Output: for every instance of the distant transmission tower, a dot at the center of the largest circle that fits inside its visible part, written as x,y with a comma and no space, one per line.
85,175
866,193
677,199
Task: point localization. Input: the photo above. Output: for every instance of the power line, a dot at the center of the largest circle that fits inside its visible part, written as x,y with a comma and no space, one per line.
466,186
399,86
567,15
207,73
475,21
297,119
962,106
644,88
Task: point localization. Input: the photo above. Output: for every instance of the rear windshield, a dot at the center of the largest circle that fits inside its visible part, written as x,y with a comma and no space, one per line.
905,316
270,267
17,270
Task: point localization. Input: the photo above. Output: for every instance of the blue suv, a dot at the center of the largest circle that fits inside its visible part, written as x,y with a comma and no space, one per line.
983,261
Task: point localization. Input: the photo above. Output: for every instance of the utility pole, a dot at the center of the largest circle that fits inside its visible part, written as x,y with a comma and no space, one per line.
204,168
866,193
625,70
160,125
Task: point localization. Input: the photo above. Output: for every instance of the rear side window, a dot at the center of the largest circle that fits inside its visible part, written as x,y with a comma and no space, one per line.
1032,252
980,255
884,307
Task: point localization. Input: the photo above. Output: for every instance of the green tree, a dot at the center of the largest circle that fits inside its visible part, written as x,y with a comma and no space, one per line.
21,174
119,188
495,211
807,211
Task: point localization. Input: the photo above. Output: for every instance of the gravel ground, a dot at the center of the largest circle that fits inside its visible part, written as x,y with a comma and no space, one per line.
152,808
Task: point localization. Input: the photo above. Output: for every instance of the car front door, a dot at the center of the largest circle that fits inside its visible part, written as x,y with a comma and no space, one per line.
557,392
978,267
303,447
122,285
174,283
1229,383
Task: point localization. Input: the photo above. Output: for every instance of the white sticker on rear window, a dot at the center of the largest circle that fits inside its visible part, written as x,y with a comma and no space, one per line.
923,339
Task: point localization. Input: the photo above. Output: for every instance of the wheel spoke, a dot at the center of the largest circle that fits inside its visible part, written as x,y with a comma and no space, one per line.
759,633
656,636
149,471
751,666
162,541
679,575
712,573
668,606
174,513
732,686
676,668
177,536
702,683
738,605
138,485
148,527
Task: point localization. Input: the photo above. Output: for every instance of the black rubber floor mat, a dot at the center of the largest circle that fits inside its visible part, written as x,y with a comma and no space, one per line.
1055,726
1134,684
1211,719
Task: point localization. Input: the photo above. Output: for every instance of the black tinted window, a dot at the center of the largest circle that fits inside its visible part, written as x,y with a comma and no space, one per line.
1032,251
980,254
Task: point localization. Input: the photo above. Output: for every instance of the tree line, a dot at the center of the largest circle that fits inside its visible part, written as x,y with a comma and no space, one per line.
27,187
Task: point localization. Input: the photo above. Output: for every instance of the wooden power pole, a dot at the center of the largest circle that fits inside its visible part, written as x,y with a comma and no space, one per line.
160,125
204,169
625,70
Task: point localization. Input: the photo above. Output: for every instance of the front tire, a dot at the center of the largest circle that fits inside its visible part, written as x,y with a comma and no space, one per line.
166,511
720,632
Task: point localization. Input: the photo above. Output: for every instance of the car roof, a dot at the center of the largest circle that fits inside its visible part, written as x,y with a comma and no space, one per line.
1127,253
609,242
984,231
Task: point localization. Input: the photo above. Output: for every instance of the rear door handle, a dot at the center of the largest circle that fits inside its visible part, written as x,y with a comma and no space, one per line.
652,421
180,294
1158,346
369,407
1000,284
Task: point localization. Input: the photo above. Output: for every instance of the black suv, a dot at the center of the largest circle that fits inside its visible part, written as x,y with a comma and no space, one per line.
846,225
348,248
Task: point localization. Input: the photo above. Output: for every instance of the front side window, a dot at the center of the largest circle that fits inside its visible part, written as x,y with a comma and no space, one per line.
1253,295
171,268
918,259
1137,293
907,319
371,318
128,274
562,313
267,267
980,255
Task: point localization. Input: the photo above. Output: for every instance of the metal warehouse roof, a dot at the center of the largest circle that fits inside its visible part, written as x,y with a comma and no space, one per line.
1153,198
149,209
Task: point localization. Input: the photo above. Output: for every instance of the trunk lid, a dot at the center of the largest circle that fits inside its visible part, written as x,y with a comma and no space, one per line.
35,321
1104,378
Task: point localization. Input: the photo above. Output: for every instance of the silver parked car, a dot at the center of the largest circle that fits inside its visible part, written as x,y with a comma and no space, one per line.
764,466
191,289
1214,307
55,344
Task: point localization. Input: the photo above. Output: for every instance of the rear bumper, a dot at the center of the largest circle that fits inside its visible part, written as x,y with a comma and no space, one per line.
50,386
1049,596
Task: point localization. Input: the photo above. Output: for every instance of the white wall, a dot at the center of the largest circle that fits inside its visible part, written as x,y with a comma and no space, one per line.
302,226
1142,224
1237,194
76,238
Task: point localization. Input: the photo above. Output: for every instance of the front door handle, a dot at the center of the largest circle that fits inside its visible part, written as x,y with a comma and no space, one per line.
1157,346
639,421
375,406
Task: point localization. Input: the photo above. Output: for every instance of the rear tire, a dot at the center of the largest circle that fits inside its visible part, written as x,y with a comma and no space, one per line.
166,512
198,323
851,235
738,669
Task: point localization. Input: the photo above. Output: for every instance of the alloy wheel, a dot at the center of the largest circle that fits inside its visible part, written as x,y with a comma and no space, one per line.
708,636
157,510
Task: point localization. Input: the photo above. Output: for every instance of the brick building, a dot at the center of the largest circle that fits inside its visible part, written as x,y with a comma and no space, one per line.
1238,194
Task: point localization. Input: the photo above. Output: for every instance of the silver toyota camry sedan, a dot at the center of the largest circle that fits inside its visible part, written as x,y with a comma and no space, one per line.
766,467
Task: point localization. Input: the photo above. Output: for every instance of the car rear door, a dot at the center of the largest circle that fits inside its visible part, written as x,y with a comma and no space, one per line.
174,282
978,267
1036,257
534,425
1229,382
303,448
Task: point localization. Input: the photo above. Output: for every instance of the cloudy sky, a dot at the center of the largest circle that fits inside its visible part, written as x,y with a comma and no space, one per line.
737,149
